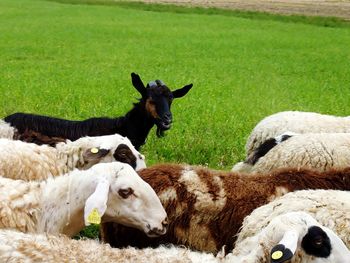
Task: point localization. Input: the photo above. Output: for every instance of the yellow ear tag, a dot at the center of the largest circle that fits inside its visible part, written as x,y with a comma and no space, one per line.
94,150
277,255
94,217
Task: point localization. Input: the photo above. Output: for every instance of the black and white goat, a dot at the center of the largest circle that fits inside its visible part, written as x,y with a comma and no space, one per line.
152,109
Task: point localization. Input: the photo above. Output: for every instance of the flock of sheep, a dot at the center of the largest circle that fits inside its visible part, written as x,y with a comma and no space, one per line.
287,202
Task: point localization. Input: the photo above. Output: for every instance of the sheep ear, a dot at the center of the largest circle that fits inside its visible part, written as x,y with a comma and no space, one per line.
182,92
95,154
96,204
138,84
286,248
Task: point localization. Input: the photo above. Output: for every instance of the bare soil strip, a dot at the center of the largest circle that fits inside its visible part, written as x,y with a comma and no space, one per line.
333,8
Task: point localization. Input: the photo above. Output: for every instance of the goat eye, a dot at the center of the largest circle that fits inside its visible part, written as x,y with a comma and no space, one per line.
125,193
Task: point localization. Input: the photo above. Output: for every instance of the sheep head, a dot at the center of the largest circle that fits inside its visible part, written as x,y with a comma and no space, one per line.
319,243
110,148
122,196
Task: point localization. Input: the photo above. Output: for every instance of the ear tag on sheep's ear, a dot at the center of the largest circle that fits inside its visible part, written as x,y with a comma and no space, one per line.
277,255
94,217
280,253
94,150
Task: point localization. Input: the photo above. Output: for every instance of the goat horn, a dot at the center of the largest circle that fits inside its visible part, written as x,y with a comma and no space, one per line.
152,84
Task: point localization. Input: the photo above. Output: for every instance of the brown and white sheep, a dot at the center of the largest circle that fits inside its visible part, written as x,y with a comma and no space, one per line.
206,207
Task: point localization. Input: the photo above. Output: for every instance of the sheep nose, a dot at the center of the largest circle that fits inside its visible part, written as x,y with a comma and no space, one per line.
158,231
162,230
165,223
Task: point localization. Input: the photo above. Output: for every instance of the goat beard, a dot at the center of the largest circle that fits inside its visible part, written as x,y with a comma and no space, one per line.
160,132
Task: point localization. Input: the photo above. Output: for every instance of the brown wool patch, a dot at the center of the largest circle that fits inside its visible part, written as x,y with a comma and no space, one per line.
38,138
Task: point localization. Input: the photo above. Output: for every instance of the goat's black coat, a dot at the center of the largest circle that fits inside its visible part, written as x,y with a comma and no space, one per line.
153,108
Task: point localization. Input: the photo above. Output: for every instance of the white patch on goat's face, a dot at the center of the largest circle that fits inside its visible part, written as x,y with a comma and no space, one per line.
205,200
141,209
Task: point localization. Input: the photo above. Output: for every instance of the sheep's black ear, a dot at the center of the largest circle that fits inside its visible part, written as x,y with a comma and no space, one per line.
95,154
182,92
138,84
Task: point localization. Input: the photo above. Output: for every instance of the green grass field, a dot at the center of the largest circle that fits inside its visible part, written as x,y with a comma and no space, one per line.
74,61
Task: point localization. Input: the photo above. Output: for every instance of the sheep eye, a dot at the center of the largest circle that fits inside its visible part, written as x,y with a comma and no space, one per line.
125,193
318,241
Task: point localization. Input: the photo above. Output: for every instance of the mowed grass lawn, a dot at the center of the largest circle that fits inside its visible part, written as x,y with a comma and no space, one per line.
74,62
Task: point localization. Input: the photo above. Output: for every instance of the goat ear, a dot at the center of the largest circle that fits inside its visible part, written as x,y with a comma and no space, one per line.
95,154
96,204
138,84
286,248
182,92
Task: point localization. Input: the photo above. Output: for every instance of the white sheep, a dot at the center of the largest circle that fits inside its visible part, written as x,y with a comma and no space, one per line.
296,233
294,236
295,121
331,208
7,131
28,161
64,204
21,247
316,151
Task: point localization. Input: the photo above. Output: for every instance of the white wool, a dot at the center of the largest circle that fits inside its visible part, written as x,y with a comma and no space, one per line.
6,130
242,167
21,247
57,205
28,161
315,151
295,121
